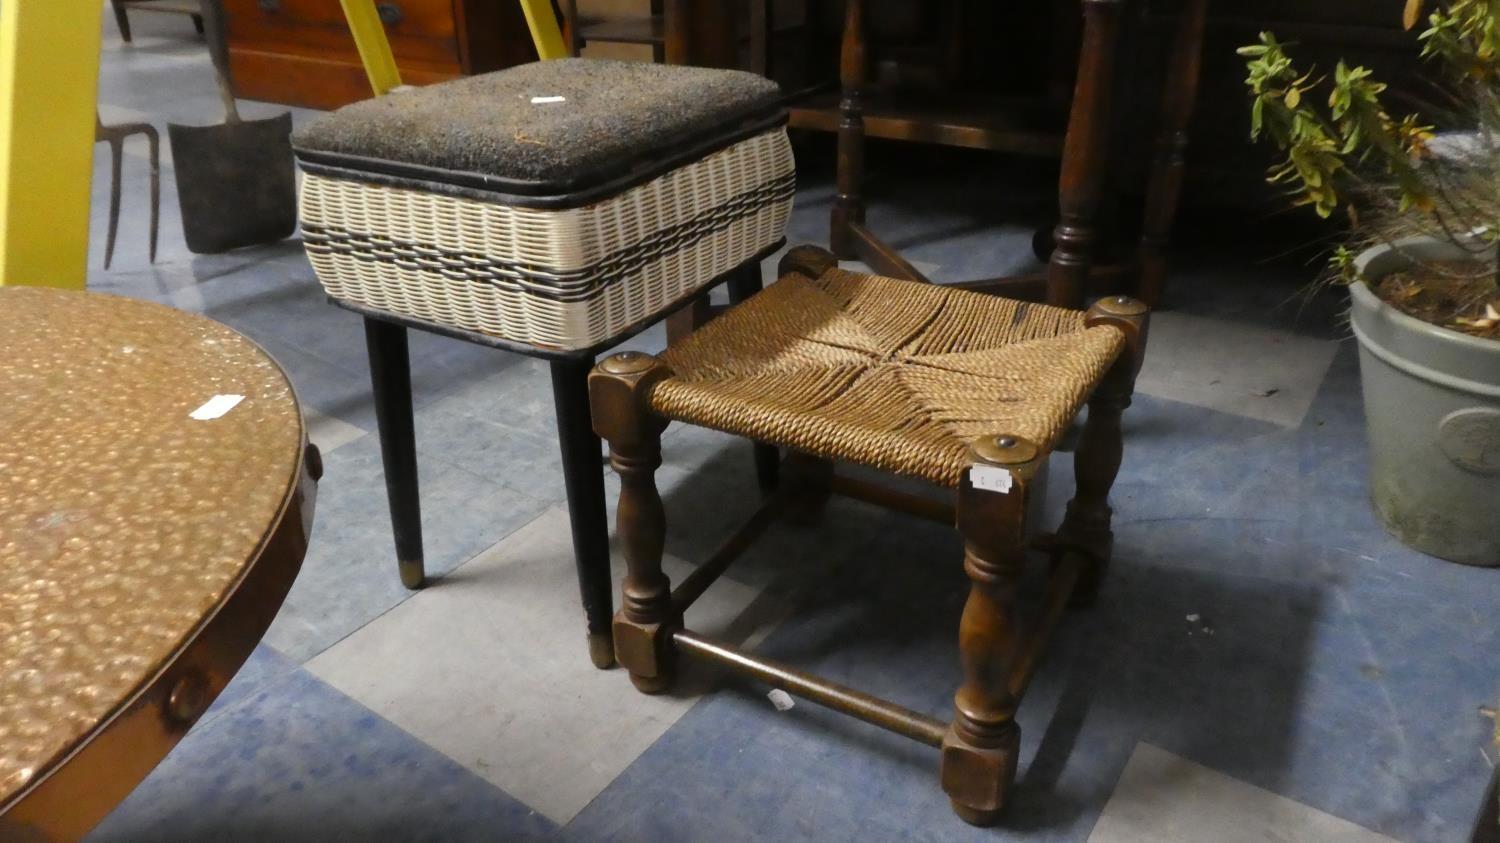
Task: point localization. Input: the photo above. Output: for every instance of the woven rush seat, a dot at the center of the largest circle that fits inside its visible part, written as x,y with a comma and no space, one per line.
559,204
892,374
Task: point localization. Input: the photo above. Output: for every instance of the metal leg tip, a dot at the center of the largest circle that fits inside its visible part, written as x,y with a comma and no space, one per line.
602,650
412,575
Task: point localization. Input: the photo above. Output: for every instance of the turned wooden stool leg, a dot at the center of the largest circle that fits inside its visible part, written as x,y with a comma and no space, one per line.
619,389
1084,164
390,378
1165,188
979,751
849,206
1086,526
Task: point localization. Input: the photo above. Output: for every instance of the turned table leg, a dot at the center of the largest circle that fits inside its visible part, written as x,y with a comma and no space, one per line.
619,389
1086,526
849,206
390,378
980,748
1084,164
584,479
1165,188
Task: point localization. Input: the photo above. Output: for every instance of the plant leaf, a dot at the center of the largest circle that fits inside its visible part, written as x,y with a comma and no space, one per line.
1413,13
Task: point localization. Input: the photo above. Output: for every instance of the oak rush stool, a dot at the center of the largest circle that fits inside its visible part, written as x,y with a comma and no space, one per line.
553,209
965,390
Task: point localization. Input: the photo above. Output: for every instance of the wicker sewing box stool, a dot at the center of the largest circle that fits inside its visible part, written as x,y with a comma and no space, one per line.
555,210
965,390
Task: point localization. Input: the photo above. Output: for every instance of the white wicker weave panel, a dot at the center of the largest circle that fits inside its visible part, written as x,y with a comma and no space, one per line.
704,218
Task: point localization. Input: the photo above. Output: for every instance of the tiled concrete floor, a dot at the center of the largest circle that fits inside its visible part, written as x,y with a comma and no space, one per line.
1265,660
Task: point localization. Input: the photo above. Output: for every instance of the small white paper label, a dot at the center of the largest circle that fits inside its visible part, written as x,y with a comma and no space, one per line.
546,100
781,699
216,406
991,478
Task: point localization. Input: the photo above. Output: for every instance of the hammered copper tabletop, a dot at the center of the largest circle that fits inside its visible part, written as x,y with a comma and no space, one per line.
124,522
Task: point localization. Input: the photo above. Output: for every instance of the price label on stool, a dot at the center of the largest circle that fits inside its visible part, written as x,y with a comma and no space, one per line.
991,478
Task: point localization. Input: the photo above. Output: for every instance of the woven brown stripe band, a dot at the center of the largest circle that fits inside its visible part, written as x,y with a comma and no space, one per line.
520,276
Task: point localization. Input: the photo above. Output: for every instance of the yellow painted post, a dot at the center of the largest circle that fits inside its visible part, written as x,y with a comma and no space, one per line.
49,82
374,47
545,33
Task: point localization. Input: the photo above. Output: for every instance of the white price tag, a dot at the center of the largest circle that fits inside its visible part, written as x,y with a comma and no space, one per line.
216,406
991,478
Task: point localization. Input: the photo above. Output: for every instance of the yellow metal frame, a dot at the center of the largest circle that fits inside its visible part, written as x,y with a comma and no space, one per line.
380,64
49,84
374,48
545,33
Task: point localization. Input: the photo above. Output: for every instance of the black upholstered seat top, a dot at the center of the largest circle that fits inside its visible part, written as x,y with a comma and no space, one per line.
546,127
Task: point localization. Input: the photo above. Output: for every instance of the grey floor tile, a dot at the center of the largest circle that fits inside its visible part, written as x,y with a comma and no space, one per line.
1166,799
1260,373
490,666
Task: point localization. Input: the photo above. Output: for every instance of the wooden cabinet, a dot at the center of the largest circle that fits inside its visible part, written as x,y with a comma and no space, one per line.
299,52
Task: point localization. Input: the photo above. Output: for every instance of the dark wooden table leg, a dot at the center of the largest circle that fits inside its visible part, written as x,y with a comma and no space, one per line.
583,473
849,206
390,377
700,33
1178,99
1084,164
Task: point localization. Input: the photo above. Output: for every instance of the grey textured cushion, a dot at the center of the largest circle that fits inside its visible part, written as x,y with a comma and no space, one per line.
612,116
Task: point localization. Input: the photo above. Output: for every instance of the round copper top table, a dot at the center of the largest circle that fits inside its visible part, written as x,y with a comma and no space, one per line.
143,551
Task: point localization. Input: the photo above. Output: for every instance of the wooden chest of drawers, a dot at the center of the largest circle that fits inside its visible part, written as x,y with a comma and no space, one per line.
299,52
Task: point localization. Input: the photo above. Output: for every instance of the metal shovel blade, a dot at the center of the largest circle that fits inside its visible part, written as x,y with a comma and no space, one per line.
236,182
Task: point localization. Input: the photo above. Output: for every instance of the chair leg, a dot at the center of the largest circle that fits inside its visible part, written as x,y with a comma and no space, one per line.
198,24
390,378
808,483
979,751
619,389
122,19
1086,526
116,164
1165,188
584,479
1084,163
849,206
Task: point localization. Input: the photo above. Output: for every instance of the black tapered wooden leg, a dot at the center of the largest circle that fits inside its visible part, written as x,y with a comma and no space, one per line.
390,376
584,476
745,283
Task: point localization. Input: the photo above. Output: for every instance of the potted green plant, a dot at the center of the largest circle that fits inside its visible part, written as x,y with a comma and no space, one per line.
1420,264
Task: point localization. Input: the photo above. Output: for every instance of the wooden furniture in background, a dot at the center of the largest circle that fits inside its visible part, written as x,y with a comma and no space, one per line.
147,549
967,392
300,52
1082,140
121,8
709,37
